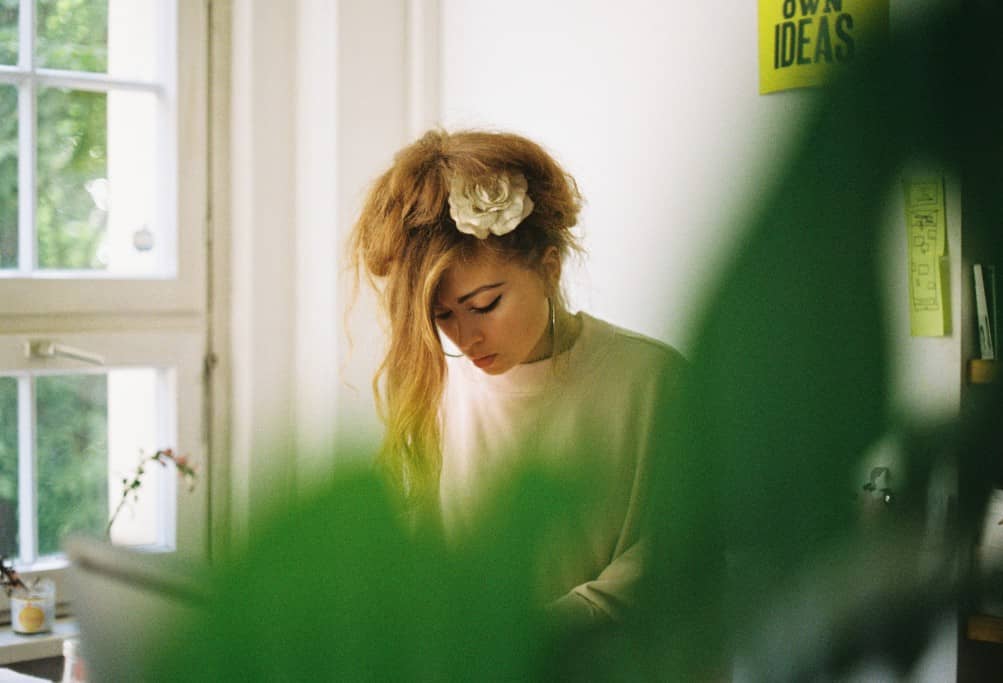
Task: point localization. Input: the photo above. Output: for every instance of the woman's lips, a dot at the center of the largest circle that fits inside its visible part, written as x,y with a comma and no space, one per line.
485,361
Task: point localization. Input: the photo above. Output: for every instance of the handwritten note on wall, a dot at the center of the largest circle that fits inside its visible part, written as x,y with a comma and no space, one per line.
802,43
926,227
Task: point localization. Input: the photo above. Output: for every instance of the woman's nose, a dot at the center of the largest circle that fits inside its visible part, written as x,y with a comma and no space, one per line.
468,334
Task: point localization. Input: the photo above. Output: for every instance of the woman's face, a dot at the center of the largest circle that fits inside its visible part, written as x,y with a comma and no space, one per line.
495,311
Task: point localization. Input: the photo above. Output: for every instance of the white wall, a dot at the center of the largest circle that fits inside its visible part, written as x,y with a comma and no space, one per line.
352,115
652,106
261,260
319,102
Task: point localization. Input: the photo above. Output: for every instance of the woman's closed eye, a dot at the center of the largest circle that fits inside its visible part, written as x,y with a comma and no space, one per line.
490,307
446,314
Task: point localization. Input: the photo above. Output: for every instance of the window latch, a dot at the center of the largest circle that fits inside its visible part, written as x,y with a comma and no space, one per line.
50,349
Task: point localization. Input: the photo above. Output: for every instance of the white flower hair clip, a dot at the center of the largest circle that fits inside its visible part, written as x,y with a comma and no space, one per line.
496,208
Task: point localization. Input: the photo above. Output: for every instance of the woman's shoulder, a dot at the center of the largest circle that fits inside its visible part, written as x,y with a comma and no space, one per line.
627,349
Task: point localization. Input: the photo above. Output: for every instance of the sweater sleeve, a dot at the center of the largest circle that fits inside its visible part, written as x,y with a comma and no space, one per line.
614,592
607,597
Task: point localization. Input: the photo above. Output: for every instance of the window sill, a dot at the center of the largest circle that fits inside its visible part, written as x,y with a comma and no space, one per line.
15,647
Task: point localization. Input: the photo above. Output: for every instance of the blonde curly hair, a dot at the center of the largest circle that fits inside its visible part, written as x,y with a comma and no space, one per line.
404,240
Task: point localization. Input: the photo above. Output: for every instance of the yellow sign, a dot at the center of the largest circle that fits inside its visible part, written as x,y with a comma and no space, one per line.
804,42
926,228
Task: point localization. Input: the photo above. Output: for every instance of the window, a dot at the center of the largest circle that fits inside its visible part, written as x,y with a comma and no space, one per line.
87,139
103,205
70,434
102,163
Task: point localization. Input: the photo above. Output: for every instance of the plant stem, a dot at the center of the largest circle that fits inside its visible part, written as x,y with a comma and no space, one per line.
114,515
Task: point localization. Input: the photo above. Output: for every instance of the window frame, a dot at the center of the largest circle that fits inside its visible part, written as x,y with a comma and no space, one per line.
137,322
181,351
185,93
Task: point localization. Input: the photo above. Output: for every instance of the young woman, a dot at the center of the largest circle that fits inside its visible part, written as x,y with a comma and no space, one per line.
466,235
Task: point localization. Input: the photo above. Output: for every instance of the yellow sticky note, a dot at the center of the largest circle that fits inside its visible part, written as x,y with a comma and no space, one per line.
803,43
926,228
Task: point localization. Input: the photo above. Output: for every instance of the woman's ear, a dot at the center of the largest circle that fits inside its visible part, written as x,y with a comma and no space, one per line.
550,266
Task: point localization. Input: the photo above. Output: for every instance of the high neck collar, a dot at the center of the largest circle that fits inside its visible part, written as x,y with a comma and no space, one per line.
531,378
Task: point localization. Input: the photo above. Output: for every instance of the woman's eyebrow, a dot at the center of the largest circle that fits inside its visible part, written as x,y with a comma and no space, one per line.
478,291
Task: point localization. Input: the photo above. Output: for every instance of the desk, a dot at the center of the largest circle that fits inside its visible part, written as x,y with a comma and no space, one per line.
15,647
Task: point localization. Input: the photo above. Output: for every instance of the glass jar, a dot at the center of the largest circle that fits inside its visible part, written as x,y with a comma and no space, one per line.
33,610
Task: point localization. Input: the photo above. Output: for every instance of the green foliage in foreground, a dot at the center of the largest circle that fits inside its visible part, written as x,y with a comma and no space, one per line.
757,545
338,589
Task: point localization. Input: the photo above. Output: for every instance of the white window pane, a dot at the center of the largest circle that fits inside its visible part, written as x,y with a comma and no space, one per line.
135,38
93,431
72,445
72,35
136,240
97,159
8,175
8,32
71,219
72,457
8,467
117,37
133,414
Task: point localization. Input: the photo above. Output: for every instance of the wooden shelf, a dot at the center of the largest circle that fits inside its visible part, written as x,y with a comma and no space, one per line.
982,371
985,628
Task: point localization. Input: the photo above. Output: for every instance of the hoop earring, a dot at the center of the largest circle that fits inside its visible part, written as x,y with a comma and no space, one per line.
553,326
447,353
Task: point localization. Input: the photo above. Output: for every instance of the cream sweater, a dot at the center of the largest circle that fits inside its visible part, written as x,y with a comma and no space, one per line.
593,407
